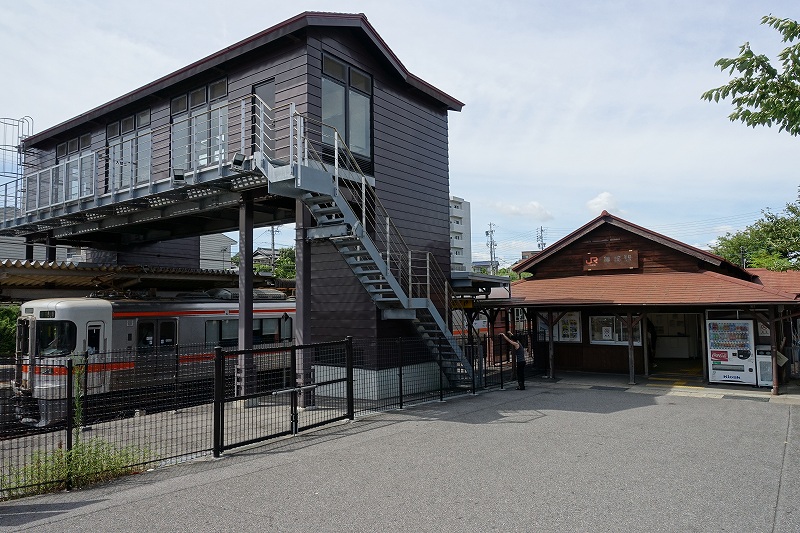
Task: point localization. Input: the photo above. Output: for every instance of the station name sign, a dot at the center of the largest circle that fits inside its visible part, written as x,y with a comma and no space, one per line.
612,261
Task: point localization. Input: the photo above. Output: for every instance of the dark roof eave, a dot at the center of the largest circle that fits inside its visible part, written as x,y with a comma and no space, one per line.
267,36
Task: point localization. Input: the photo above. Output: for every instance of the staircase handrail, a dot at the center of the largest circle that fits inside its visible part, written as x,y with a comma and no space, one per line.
427,281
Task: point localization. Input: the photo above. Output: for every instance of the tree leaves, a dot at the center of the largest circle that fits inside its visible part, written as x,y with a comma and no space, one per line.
772,242
761,94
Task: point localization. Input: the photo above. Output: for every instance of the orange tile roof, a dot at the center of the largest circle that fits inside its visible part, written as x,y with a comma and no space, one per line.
672,288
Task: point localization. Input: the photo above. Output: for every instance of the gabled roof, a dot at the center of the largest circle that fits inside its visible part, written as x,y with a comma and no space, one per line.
606,218
668,288
287,27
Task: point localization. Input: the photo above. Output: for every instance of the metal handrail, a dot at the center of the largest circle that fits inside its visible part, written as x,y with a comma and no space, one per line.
416,271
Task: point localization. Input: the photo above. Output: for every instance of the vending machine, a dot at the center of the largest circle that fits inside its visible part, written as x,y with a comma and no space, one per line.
731,351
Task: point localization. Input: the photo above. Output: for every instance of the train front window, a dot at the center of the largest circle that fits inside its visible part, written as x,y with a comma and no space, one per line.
23,335
56,337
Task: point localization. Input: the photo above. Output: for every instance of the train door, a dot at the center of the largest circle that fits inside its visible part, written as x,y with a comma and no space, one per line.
156,353
97,367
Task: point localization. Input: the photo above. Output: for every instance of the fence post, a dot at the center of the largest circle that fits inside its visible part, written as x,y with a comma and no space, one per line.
219,405
294,421
351,410
502,382
472,364
441,369
70,422
400,369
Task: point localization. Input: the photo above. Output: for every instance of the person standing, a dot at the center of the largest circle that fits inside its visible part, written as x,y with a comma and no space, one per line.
518,352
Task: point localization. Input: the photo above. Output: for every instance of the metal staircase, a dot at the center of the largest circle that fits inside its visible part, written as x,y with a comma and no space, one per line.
405,284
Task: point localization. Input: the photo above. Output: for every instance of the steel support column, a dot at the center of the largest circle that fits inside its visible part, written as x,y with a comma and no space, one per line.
245,368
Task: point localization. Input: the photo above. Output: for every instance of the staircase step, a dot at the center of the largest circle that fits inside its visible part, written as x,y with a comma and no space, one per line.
317,199
379,281
325,211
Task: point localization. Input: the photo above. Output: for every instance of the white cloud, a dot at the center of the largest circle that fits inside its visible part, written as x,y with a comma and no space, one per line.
604,201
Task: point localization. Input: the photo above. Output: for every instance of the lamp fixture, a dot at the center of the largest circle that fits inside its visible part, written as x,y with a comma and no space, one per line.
178,177
237,163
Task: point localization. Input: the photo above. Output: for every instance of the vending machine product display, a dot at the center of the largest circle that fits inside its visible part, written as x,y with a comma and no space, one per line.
731,351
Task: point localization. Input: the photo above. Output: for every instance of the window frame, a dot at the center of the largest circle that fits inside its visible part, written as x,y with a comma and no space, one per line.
618,332
347,85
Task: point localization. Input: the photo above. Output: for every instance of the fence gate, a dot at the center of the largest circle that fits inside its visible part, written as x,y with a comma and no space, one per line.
270,392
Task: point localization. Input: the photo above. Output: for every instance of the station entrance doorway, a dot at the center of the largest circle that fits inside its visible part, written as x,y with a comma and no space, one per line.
675,345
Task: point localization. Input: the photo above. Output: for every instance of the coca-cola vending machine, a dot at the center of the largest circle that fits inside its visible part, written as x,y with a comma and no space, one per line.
731,351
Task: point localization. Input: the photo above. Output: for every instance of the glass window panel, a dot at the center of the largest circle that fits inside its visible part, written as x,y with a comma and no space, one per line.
287,329
73,179
86,141
178,105
358,132
601,328
230,333
166,333
181,144
87,183
333,115
128,124
197,97
333,68
112,130
58,184
114,164
217,129
143,118
218,89
125,164
143,158
146,335
45,189
360,81
212,331
200,129
72,146
61,150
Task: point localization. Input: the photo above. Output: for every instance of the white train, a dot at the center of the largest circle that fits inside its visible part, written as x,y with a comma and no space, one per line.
120,344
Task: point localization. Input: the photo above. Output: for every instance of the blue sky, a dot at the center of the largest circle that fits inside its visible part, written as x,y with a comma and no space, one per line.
572,107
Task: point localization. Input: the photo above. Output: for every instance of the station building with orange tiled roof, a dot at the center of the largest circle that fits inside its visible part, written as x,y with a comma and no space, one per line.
618,297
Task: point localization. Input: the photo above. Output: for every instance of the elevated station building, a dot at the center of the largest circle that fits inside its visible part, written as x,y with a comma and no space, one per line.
315,121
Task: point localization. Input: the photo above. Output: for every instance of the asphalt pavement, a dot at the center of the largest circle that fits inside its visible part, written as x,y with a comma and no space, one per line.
586,453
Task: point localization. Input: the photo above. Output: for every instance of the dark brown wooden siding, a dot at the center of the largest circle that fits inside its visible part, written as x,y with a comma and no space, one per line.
412,182
653,256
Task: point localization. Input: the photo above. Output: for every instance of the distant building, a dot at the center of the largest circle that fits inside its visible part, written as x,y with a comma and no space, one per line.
460,235
215,252
485,267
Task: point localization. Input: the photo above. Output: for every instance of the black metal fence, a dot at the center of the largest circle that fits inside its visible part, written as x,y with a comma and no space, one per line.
111,414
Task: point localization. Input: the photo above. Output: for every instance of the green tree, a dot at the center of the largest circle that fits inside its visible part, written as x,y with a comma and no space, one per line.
761,94
772,242
8,328
285,264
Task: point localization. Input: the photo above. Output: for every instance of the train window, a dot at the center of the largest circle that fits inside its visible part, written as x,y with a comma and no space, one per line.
56,337
166,333
267,329
287,329
212,332
146,335
93,333
222,332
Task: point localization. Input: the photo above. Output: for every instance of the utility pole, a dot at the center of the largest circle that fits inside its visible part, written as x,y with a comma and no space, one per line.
492,246
272,252
540,238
